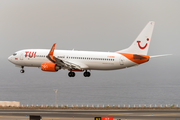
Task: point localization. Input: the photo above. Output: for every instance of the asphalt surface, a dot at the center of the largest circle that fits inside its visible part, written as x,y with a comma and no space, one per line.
90,114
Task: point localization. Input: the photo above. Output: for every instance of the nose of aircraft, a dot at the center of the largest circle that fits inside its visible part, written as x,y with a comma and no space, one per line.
10,58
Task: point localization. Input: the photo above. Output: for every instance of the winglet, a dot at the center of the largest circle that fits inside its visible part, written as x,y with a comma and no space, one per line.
52,50
50,55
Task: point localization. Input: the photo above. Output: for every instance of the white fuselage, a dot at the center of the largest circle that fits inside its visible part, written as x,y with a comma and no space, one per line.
86,59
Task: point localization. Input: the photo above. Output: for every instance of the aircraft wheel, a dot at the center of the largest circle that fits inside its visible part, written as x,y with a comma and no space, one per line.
22,71
87,74
71,74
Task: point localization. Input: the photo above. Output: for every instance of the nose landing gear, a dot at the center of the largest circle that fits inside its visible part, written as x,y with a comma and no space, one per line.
22,70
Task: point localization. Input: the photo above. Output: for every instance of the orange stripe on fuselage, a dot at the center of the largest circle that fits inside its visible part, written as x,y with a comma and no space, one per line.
75,70
139,59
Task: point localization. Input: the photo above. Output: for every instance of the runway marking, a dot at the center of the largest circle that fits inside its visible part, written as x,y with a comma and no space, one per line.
147,115
160,114
13,116
121,114
44,118
91,113
50,118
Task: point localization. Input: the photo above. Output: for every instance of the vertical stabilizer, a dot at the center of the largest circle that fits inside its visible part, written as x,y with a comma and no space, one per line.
142,42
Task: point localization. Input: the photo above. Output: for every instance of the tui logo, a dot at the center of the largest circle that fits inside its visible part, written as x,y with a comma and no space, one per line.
143,46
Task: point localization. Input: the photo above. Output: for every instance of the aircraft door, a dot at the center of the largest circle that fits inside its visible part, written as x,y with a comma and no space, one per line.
21,56
121,60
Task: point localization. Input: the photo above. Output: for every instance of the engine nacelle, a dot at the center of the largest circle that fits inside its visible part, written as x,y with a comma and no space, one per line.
51,67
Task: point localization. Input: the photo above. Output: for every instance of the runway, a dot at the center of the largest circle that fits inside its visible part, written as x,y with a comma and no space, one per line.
90,114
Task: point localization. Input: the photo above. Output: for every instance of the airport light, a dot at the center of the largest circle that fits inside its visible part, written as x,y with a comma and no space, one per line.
55,91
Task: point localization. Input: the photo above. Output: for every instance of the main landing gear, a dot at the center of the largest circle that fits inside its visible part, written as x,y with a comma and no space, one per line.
22,70
71,74
86,74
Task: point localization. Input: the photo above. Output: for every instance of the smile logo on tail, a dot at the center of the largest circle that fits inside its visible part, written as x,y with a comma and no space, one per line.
143,46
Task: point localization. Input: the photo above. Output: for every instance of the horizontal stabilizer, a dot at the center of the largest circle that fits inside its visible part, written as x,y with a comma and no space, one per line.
160,55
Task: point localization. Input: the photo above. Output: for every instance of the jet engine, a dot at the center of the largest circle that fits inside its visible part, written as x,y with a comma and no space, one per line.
51,67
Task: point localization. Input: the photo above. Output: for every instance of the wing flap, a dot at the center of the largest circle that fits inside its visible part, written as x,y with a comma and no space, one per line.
67,64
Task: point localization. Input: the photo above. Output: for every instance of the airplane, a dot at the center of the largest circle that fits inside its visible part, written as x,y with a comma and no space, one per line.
84,61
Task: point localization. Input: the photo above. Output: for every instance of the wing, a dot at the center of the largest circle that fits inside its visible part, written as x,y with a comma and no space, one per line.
64,63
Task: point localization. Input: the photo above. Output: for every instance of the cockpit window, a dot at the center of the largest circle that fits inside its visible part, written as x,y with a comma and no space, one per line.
14,54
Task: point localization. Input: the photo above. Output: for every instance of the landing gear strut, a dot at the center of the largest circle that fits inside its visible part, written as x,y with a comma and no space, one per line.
71,74
87,74
22,70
